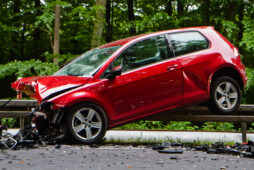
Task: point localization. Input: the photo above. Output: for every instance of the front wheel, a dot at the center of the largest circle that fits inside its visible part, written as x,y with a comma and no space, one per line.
225,95
86,123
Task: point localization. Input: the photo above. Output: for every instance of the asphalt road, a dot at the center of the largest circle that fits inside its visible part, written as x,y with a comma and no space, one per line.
116,157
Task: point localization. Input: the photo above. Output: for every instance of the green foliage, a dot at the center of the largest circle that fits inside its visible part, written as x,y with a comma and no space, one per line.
179,125
143,125
27,69
47,17
218,126
248,34
159,21
62,58
251,129
247,42
8,122
173,125
229,29
248,93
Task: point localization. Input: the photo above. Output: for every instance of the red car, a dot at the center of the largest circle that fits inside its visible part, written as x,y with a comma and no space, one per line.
131,78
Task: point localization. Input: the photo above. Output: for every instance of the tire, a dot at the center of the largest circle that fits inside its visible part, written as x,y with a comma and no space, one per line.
85,123
225,96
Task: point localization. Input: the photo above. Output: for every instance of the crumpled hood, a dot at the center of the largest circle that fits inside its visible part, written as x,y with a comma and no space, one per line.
40,87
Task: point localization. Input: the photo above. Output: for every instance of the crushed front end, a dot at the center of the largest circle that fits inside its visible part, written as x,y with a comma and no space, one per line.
46,121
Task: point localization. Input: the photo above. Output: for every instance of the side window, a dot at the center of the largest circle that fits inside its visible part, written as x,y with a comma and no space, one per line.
143,53
187,42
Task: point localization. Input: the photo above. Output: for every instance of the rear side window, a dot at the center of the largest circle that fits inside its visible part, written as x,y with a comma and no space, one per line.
187,42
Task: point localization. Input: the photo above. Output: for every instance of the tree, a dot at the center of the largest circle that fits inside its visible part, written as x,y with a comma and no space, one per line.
131,17
206,12
98,24
180,7
37,32
109,25
56,33
168,7
27,27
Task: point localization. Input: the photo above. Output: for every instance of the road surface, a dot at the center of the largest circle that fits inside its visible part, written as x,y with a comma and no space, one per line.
116,157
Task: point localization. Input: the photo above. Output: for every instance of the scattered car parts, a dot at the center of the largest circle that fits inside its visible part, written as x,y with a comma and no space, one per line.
244,149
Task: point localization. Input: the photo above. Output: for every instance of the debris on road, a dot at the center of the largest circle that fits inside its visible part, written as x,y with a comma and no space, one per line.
26,138
6,139
158,147
40,131
172,151
244,149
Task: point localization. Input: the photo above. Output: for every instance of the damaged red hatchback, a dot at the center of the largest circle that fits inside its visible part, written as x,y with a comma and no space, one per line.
131,78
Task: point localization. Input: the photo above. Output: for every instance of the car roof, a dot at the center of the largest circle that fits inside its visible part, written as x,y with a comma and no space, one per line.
126,40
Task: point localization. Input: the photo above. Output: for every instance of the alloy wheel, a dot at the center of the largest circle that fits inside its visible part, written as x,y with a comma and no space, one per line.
226,95
86,123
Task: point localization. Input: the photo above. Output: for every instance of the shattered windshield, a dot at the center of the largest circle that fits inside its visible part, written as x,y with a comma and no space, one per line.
88,63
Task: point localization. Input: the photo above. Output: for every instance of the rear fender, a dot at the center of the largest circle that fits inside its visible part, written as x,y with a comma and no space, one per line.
221,67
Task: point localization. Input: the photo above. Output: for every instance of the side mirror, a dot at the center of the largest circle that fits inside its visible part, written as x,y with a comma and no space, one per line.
115,72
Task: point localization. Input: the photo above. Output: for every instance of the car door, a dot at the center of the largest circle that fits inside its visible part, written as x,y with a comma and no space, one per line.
192,51
151,80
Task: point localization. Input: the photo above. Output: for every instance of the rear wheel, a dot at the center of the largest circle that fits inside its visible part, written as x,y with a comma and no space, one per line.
86,123
225,95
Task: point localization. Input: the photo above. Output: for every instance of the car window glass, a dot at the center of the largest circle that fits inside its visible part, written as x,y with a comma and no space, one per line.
187,42
88,63
143,53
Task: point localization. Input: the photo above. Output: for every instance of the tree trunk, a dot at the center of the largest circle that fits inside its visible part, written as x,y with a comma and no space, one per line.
37,32
206,12
98,24
131,17
22,42
168,8
240,19
179,8
231,10
56,33
15,46
108,21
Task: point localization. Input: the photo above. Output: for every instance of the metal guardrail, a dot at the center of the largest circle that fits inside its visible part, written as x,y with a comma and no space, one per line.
17,109
245,114
4,104
201,113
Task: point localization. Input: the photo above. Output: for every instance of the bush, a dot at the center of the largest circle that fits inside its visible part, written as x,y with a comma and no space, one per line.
155,125
27,69
62,58
143,125
11,71
8,122
248,93
218,126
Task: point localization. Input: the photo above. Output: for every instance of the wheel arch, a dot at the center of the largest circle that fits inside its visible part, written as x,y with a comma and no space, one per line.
69,101
230,72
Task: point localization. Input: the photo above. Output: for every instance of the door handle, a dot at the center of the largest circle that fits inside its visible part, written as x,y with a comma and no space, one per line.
173,67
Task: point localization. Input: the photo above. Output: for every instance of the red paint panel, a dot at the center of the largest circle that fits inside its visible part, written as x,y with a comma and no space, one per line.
42,86
142,91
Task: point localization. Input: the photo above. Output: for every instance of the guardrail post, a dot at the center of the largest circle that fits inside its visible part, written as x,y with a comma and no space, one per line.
244,132
21,120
